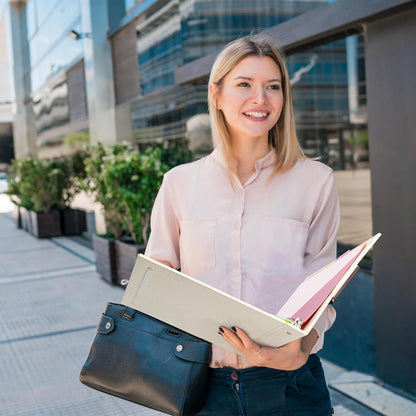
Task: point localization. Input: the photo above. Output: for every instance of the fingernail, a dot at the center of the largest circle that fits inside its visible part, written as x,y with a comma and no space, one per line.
234,329
221,330
220,333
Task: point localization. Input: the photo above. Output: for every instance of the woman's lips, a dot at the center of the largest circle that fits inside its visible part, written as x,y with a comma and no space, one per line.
256,115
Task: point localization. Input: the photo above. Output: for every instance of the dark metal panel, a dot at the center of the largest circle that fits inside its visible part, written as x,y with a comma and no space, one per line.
340,18
391,92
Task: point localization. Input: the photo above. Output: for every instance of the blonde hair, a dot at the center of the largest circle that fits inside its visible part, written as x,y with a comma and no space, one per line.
283,135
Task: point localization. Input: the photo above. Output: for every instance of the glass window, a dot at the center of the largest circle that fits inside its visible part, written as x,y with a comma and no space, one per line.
44,8
203,27
329,98
31,18
129,4
51,49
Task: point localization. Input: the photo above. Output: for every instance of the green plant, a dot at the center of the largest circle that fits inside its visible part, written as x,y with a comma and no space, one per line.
13,187
38,184
140,193
103,191
76,139
132,181
43,185
360,139
125,182
75,168
173,152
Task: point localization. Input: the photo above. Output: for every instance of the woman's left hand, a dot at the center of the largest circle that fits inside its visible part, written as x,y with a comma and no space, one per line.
287,357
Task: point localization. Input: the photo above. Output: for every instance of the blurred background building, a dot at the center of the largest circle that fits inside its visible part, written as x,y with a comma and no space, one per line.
137,71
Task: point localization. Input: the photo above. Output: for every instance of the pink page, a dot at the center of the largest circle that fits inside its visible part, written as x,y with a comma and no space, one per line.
310,294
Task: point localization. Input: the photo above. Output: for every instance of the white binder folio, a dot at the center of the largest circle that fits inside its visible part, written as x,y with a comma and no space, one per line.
197,308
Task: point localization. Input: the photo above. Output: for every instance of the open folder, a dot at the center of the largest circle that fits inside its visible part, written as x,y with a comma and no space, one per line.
197,308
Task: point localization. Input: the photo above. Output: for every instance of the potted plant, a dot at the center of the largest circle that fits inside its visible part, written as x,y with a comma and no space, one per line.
15,197
93,184
126,182
138,177
134,180
36,185
73,221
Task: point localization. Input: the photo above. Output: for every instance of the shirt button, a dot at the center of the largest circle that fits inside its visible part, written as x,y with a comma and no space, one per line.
234,376
236,226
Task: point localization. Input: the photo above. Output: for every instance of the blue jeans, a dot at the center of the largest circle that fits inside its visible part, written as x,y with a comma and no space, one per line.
260,391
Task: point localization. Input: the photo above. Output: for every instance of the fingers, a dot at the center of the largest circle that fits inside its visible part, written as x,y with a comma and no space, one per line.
239,339
286,357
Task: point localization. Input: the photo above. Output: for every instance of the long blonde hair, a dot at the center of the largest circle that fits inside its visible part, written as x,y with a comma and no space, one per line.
282,137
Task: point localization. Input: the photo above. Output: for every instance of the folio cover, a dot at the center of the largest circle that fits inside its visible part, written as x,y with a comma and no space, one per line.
197,308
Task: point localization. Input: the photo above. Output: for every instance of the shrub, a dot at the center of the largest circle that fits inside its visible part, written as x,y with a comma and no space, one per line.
125,182
43,185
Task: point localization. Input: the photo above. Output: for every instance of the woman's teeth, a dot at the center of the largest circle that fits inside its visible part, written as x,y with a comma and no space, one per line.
256,114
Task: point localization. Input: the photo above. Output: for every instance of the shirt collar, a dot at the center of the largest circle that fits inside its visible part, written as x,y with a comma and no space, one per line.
268,160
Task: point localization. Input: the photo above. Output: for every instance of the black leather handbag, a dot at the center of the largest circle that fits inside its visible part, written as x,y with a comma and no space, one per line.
144,360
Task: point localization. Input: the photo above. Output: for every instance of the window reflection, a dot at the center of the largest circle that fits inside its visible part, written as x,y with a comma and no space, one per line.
50,106
189,30
329,95
50,48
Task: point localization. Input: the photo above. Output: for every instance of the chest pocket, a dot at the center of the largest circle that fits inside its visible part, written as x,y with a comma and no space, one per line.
197,246
283,244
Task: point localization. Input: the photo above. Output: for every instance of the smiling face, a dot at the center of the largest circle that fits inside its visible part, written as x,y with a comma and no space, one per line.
251,98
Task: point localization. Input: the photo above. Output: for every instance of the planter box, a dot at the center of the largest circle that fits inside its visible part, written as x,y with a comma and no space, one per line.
16,216
73,221
126,255
105,257
25,219
45,224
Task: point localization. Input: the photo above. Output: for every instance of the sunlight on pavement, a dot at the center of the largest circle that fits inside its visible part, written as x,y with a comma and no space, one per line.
5,204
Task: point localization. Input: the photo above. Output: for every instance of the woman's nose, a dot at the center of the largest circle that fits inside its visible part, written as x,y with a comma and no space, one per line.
258,96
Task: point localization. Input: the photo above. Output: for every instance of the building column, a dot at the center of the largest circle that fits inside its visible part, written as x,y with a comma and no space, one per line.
107,123
24,131
391,94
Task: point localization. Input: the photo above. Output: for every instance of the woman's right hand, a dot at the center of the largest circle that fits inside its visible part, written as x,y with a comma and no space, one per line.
290,356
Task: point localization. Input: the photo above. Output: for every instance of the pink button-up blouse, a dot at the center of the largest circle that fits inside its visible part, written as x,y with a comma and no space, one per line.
256,241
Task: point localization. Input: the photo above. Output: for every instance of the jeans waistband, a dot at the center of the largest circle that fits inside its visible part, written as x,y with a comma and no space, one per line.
255,373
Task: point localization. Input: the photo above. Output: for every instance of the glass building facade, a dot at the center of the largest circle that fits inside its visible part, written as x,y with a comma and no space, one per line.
50,47
328,82
51,52
178,32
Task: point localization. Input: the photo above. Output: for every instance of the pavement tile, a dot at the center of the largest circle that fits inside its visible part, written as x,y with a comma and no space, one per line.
74,248
343,411
37,260
52,305
33,276
19,241
352,377
377,398
41,377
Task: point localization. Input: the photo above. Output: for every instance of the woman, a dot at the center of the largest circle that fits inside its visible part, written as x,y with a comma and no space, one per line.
253,219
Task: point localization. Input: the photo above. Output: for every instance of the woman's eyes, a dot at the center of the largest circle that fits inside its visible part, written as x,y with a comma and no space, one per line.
274,87
269,87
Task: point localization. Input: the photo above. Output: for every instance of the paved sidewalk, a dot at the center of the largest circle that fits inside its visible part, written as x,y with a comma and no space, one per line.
51,298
